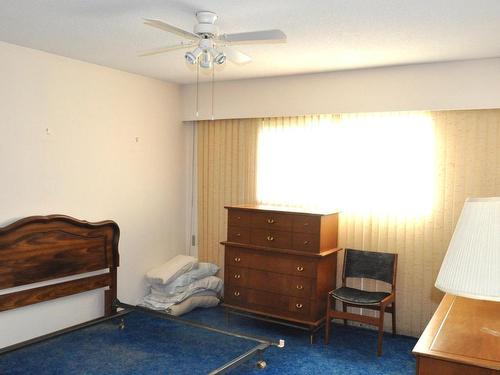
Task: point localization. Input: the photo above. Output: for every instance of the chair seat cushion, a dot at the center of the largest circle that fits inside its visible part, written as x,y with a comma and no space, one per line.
357,296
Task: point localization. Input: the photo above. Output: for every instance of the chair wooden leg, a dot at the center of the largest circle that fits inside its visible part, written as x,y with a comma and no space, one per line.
327,323
380,330
394,318
344,309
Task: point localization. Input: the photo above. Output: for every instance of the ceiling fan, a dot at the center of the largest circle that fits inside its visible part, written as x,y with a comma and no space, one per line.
208,46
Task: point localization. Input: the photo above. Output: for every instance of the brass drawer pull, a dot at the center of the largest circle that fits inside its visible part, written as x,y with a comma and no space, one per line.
237,276
298,305
237,294
238,217
300,287
270,221
306,242
237,259
238,234
300,268
306,224
270,238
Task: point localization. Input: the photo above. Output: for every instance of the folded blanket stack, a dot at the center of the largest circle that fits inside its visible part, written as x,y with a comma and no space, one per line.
182,284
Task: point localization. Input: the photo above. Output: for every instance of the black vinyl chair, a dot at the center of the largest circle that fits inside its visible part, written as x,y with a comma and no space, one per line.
371,265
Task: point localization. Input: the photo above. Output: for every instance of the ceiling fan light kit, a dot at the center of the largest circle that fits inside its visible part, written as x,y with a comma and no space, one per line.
207,53
206,60
192,57
219,57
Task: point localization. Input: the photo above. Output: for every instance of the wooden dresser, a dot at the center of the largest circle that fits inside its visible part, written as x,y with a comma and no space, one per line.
463,337
280,264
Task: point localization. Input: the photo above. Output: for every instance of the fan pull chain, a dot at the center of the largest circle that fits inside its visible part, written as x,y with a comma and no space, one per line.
213,83
197,86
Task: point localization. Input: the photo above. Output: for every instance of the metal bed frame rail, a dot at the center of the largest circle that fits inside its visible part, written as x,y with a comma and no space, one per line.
60,332
258,350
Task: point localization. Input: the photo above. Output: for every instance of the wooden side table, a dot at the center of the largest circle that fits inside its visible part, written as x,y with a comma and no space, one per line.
463,337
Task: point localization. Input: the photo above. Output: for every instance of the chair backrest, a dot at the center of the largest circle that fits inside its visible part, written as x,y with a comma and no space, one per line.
370,264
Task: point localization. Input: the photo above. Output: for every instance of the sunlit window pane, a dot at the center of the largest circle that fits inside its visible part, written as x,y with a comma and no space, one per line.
364,164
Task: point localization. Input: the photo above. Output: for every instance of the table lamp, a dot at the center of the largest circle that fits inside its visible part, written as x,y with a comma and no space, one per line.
471,267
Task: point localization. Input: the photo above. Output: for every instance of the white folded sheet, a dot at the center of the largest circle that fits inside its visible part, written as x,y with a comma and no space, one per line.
153,303
181,283
191,303
172,269
210,285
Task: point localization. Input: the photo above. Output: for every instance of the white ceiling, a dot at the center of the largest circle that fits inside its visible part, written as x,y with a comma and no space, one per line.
323,35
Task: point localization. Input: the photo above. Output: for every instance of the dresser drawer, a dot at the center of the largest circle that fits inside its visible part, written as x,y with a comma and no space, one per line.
271,238
275,303
257,259
238,234
305,242
306,224
241,218
272,221
295,286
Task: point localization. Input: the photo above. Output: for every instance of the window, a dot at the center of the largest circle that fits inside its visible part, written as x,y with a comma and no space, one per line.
364,164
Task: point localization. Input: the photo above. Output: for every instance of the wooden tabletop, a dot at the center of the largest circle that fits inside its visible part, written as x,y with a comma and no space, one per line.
465,331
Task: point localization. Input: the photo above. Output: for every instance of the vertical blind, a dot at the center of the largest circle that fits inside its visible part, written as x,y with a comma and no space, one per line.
226,175
399,179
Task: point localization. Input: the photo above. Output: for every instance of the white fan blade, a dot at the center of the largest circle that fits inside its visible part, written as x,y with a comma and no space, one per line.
236,56
264,36
171,29
157,51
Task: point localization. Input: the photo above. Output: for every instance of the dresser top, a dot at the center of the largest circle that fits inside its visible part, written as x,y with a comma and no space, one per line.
293,210
463,330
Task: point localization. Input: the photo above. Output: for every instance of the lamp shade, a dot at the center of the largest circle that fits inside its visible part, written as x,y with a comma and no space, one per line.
471,267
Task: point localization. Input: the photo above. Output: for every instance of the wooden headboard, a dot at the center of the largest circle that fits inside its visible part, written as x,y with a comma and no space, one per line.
43,248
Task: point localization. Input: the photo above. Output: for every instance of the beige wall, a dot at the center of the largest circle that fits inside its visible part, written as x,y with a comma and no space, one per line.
441,86
115,148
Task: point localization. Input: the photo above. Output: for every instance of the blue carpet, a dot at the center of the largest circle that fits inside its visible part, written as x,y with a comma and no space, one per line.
150,345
